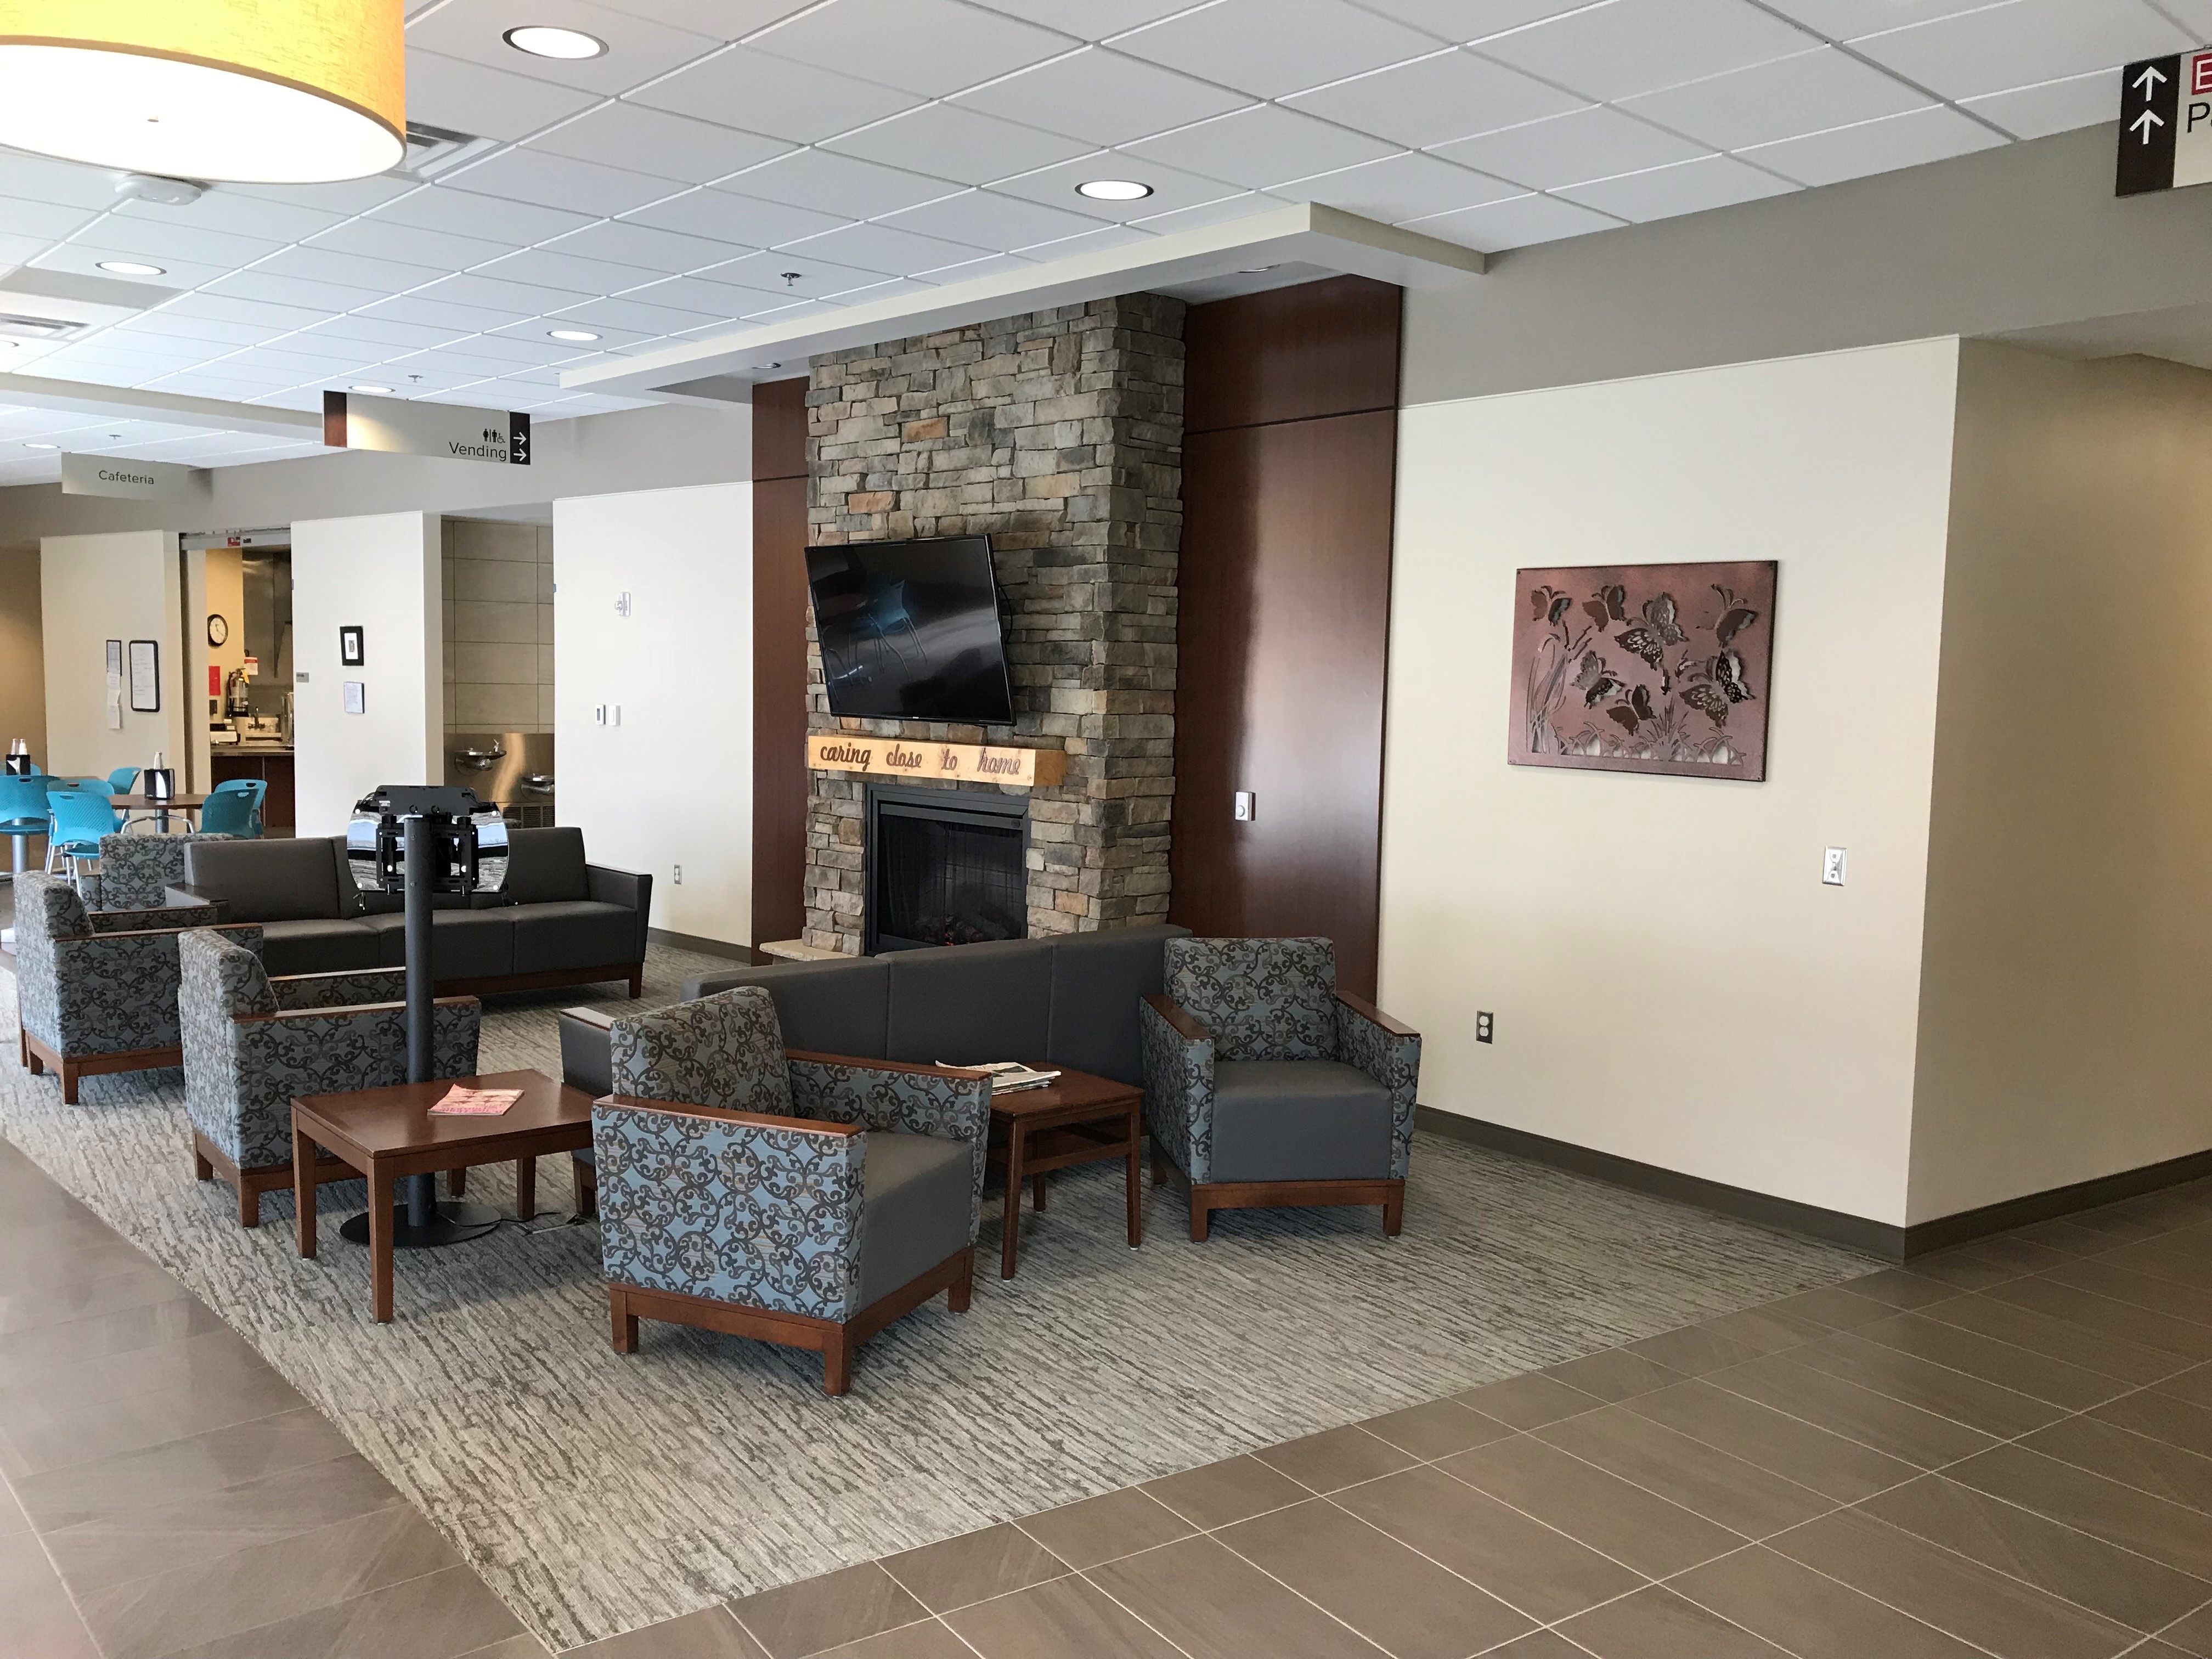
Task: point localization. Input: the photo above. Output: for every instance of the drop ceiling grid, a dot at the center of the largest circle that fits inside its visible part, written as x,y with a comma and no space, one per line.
871,147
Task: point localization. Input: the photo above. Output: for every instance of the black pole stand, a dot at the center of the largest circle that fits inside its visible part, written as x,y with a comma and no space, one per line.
419,1222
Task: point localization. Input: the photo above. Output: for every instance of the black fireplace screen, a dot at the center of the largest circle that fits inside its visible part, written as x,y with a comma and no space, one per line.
941,873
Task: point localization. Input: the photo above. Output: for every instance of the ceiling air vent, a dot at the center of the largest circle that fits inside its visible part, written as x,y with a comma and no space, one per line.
431,151
38,328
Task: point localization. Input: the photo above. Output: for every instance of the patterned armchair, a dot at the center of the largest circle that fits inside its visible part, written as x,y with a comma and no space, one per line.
98,989
802,1199
137,871
252,1043
1266,1085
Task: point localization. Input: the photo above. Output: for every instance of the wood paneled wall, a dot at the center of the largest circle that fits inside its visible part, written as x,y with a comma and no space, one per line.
1290,462
779,906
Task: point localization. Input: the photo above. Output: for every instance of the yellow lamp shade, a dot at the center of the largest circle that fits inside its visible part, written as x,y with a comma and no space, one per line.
269,91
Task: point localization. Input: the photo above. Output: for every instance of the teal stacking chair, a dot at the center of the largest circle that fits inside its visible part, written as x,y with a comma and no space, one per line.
234,808
23,815
121,779
80,818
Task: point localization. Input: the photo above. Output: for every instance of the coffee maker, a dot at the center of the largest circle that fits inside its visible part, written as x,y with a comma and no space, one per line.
20,764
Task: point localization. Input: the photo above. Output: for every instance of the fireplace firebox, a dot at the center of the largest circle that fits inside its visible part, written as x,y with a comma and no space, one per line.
944,866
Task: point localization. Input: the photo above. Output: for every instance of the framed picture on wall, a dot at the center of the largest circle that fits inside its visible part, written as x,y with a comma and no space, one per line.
145,676
349,647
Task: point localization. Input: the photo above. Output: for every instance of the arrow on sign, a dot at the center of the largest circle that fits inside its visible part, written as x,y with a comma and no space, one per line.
2143,122
2151,76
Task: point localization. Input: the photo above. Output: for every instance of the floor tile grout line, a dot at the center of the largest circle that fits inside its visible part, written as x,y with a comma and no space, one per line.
1844,1584
2088,1335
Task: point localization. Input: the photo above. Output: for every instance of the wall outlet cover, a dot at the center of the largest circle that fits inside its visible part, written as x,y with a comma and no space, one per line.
1832,867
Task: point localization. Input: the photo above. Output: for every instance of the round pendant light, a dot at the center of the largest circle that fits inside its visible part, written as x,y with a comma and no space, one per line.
258,91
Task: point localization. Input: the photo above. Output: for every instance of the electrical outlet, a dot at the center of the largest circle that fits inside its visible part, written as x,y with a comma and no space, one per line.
1247,806
1485,1027
1832,867
679,875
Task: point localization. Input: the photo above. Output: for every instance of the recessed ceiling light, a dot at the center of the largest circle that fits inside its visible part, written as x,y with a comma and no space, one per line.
42,446
372,391
575,334
1114,190
542,41
131,268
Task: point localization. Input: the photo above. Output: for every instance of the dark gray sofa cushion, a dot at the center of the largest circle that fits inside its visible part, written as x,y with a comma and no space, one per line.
463,943
557,934
914,1191
963,1004
319,944
545,866
1299,1120
825,1007
272,880
1098,981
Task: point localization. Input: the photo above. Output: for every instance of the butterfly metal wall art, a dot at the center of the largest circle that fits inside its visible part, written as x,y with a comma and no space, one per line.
1645,668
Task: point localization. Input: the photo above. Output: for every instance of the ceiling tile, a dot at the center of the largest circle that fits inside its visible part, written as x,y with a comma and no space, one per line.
346,197
270,317
1519,221
380,238
991,265
1471,20
724,20
951,143
1258,147
515,350
1847,20
1627,46
2079,100
1400,187
648,246
1711,181
1228,209
1054,187
220,210
50,220
714,213
1088,19
812,279
641,317
66,184
697,295
17,250
161,239
993,218
1103,97
656,142
1271,47
216,330
1901,141
1090,241
1809,93
85,259
929,46
393,332
323,264
521,299
821,181
557,181
532,331
442,314
548,268
2023,42
637,48
2195,16
782,98
1571,149
516,223
1434,100
465,97
884,248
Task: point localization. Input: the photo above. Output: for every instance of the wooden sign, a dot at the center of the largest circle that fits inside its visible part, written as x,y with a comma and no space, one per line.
950,763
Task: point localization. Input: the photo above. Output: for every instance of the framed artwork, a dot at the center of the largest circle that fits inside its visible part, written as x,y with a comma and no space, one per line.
1643,668
145,676
349,647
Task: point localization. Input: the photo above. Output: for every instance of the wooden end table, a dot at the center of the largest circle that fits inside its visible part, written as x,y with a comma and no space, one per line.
387,1134
1075,1119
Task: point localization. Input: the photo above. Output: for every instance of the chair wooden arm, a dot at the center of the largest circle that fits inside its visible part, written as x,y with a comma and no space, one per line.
1185,1027
1368,1011
861,1062
724,1114
196,894
334,1013
594,1016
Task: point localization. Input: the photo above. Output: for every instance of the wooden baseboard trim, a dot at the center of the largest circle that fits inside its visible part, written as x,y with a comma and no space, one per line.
1875,1238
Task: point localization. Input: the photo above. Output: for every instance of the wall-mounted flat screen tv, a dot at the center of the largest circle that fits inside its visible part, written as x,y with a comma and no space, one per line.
910,631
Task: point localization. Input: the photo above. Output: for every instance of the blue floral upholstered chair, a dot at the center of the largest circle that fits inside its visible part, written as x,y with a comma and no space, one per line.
97,989
1266,1085
807,1199
252,1043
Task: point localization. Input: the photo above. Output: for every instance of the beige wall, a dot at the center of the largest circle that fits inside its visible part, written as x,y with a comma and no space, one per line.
22,656
96,588
2068,982
499,626
1671,982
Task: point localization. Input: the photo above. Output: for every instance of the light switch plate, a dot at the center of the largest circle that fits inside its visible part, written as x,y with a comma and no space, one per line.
1832,867
1247,806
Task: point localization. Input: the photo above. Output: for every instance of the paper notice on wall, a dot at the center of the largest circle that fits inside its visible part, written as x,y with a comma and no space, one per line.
114,705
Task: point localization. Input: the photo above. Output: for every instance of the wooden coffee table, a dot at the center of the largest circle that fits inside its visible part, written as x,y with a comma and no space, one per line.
389,1132
1075,1119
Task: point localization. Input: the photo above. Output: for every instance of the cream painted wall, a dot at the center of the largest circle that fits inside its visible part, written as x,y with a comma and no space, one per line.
212,587
1671,982
672,783
381,572
92,589
23,655
2068,982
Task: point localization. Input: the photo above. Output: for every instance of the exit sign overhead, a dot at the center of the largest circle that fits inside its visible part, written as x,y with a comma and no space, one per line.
2166,123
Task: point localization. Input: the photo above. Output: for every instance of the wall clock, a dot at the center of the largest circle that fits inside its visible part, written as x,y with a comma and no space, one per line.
218,630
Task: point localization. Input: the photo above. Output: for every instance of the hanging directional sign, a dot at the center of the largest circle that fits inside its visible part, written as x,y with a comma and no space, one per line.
2166,123
352,420
138,481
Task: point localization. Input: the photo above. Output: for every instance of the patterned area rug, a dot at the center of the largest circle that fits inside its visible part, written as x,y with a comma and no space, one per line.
599,1492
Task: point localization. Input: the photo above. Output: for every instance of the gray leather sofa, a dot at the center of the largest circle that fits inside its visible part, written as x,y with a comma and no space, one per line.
1069,1001
558,920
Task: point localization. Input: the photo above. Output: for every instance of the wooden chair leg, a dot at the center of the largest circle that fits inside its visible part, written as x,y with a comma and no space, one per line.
625,1322
1394,1214
586,1179
69,1083
1200,1215
1037,1189
957,1294
837,1362
1159,1163
637,985
249,1203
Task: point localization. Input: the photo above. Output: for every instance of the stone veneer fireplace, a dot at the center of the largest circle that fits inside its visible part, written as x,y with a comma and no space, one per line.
1059,435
